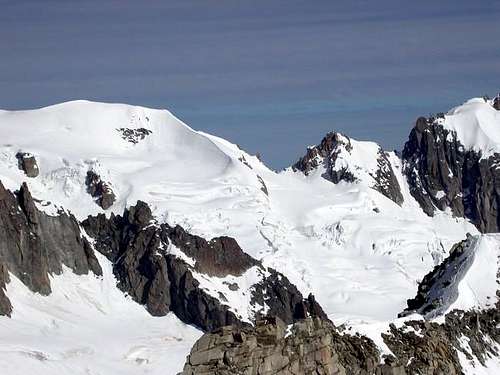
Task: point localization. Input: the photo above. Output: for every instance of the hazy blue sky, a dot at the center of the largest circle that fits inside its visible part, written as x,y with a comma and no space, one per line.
272,76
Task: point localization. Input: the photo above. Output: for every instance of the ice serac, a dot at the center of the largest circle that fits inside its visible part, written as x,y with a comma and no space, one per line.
452,161
34,245
340,158
163,268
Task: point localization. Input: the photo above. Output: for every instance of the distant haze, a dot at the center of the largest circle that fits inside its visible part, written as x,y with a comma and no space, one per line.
271,76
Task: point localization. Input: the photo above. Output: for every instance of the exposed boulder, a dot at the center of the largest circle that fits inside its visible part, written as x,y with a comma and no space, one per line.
344,159
27,163
34,245
443,174
100,190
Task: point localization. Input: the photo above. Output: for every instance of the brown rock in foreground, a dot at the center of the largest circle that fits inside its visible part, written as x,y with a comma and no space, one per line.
310,346
314,346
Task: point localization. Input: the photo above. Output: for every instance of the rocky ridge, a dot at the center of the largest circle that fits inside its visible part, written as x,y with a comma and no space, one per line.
442,173
338,156
34,245
158,265
439,289
315,346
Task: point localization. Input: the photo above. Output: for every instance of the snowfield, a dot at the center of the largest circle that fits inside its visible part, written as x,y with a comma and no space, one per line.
88,326
476,124
356,250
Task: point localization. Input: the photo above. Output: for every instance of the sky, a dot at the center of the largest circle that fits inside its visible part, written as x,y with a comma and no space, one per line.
272,76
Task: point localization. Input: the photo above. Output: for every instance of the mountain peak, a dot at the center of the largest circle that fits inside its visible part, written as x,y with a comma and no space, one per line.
340,158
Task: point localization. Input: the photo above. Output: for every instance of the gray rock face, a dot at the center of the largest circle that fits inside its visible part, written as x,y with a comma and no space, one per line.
441,174
439,288
99,190
162,282
34,244
326,153
27,163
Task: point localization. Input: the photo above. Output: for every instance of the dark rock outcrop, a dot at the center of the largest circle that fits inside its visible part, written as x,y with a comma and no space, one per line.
100,190
34,245
284,300
439,288
163,282
263,186
5,305
151,276
442,173
221,256
496,103
134,136
27,163
328,151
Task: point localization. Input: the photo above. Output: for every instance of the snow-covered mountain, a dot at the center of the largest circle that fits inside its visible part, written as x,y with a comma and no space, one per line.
339,158
451,161
199,231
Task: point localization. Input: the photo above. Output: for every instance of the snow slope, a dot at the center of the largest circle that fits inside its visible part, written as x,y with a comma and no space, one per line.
70,138
88,326
343,242
476,124
479,284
